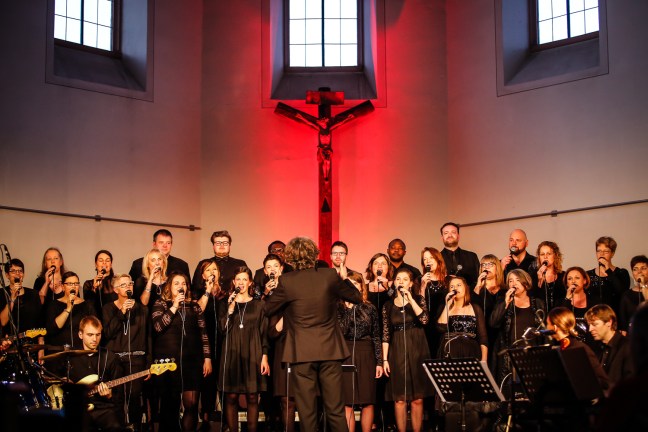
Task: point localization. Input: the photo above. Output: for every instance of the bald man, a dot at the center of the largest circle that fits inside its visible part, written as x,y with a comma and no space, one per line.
518,257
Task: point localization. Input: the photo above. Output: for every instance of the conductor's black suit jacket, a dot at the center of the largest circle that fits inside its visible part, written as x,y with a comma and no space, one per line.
308,300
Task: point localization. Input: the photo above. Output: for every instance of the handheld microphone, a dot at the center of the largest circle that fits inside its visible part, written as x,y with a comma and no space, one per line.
17,280
272,276
72,292
52,270
512,294
103,272
129,294
459,268
452,294
601,264
400,289
428,268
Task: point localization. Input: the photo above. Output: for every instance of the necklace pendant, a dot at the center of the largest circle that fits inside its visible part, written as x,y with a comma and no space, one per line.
240,325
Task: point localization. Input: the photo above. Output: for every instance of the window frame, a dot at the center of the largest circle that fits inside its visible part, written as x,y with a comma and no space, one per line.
533,31
324,69
115,51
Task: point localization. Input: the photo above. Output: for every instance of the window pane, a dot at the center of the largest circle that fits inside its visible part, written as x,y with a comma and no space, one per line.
544,10
576,5
332,9
105,13
59,7
59,27
577,24
313,8
560,28
90,11
297,31
297,56
591,20
332,55
545,32
74,9
591,4
559,7
297,9
73,31
313,32
349,9
104,39
331,31
90,34
349,55
313,55
349,31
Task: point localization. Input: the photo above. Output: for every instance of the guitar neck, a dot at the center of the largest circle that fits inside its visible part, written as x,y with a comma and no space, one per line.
119,381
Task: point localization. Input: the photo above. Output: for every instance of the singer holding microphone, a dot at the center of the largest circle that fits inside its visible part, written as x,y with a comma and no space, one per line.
404,349
126,334
64,314
513,315
548,280
462,324
49,281
149,287
580,297
632,298
98,290
179,333
607,281
244,357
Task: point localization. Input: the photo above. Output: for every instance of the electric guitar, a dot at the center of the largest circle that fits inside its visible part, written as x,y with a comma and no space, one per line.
29,334
55,392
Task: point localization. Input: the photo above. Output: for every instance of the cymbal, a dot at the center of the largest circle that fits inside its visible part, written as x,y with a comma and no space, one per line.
35,347
69,353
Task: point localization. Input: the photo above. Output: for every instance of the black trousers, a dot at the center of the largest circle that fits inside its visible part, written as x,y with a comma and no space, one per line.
306,377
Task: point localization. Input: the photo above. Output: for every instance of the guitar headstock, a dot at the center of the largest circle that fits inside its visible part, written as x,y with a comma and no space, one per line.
35,332
161,366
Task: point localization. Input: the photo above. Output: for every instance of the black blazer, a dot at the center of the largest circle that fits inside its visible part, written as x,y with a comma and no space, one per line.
309,299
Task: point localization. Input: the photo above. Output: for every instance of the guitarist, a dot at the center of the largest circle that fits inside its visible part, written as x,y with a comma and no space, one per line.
106,412
127,334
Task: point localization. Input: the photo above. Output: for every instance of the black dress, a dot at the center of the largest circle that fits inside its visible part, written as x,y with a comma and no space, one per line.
466,335
156,291
180,336
609,289
243,348
434,294
407,349
26,313
362,332
378,299
69,334
101,297
551,293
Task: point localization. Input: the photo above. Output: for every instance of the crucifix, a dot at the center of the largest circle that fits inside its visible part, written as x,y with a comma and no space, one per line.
324,124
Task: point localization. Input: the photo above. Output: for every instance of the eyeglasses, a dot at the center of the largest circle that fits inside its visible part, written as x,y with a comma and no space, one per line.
603,251
16,271
221,243
488,265
72,284
338,253
125,285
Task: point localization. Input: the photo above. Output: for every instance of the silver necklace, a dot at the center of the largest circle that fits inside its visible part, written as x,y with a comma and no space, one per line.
241,316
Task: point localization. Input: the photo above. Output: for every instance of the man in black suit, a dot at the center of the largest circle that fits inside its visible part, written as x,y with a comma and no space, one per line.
314,345
458,261
162,241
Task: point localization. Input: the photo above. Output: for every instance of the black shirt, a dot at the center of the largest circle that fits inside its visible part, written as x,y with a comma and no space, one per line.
466,259
527,264
173,265
227,267
26,313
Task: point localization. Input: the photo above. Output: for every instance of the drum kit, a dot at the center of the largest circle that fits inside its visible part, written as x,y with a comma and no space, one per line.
24,376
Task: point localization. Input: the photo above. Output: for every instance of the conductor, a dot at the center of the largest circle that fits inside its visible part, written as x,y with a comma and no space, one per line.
314,345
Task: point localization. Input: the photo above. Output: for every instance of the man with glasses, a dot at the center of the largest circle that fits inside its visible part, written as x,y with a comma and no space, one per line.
339,254
227,265
162,241
126,334
19,306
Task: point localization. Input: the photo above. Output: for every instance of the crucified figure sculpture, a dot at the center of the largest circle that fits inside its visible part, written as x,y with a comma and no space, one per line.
324,124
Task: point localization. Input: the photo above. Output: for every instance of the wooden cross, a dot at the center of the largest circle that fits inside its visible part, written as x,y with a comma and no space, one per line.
324,124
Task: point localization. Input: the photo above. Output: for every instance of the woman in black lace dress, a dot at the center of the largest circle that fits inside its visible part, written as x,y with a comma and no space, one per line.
362,331
404,349
434,289
462,324
180,334
244,357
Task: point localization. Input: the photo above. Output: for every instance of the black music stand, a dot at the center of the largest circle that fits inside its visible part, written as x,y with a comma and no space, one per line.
463,380
559,384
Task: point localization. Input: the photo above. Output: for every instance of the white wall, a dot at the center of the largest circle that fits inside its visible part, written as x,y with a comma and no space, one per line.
567,146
